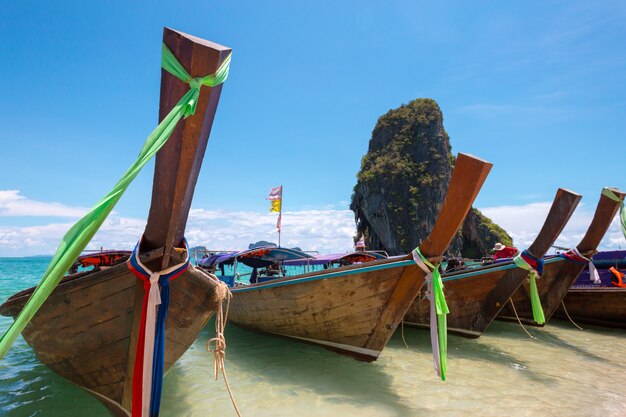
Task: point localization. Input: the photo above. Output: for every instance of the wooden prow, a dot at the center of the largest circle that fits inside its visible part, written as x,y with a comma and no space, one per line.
605,212
178,162
467,179
565,202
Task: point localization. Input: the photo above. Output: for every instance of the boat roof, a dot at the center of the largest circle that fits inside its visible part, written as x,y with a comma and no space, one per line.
256,258
347,257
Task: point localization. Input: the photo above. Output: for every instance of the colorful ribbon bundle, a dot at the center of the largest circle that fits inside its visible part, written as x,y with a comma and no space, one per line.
527,261
438,311
574,255
148,370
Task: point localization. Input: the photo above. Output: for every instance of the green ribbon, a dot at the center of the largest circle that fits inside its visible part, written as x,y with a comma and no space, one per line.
535,300
171,65
441,309
80,234
622,213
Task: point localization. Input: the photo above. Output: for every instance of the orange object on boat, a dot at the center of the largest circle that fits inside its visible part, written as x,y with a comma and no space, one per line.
618,278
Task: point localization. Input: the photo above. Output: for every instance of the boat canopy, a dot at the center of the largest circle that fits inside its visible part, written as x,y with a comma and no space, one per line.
342,258
256,258
224,258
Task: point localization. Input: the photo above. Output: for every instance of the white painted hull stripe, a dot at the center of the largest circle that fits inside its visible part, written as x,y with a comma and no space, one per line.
349,348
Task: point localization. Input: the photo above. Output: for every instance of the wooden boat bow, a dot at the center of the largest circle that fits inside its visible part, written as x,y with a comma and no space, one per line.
178,163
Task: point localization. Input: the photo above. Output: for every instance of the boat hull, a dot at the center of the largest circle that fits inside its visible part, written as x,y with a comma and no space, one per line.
601,306
474,298
353,310
95,350
558,275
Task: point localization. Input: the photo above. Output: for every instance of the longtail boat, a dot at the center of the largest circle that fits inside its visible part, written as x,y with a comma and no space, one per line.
355,309
476,295
601,303
88,329
560,272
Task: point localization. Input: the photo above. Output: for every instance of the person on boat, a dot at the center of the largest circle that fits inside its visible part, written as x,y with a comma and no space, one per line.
502,252
455,264
273,270
360,245
617,279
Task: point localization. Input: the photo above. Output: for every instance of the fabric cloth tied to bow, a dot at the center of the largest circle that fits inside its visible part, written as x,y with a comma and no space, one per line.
622,213
171,65
149,359
80,234
574,255
438,311
535,266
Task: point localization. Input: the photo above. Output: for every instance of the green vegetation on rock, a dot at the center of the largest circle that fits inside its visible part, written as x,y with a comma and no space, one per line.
403,180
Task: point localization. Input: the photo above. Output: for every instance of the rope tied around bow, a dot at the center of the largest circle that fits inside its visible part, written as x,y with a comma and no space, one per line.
534,265
219,341
438,311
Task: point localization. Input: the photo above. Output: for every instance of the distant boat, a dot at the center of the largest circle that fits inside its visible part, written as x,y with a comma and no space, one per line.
601,304
475,296
559,272
351,309
87,330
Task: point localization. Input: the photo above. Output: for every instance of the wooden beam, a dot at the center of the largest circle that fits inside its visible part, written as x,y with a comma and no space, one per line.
178,162
563,206
467,179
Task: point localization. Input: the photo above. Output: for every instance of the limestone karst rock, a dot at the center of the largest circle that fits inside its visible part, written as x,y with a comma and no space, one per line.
403,181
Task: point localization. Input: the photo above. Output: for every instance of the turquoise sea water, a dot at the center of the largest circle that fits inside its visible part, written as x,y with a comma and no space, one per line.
564,372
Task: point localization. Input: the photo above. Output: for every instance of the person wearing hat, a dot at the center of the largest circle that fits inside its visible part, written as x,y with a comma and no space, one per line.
502,251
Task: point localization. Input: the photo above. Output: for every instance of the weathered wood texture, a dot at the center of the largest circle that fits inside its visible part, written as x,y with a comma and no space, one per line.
355,309
476,296
559,276
82,332
600,306
178,162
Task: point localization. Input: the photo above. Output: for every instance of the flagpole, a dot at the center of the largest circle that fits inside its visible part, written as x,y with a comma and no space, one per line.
280,214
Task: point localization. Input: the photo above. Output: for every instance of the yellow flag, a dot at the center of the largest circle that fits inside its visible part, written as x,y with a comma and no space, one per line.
275,206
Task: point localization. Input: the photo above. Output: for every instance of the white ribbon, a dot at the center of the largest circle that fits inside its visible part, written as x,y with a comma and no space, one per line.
434,338
593,272
154,299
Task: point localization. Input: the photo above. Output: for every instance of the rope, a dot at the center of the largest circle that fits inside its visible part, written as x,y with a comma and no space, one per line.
519,321
221,292
402,329
570,319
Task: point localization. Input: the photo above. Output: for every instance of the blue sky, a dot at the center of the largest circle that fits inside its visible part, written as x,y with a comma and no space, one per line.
536,88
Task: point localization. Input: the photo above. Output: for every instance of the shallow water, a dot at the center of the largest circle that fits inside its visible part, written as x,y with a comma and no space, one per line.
564,372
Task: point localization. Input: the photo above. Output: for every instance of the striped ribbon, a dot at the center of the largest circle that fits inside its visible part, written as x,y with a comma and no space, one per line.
574,255
535,266
149,358
438,311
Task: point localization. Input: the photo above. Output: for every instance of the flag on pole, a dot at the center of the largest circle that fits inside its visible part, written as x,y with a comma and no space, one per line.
276,201
276,198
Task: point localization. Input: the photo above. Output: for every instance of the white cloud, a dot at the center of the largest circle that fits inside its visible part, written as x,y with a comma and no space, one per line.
524,221
324,230
13,204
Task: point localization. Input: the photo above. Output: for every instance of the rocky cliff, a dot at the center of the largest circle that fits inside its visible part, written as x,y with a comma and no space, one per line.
403,181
